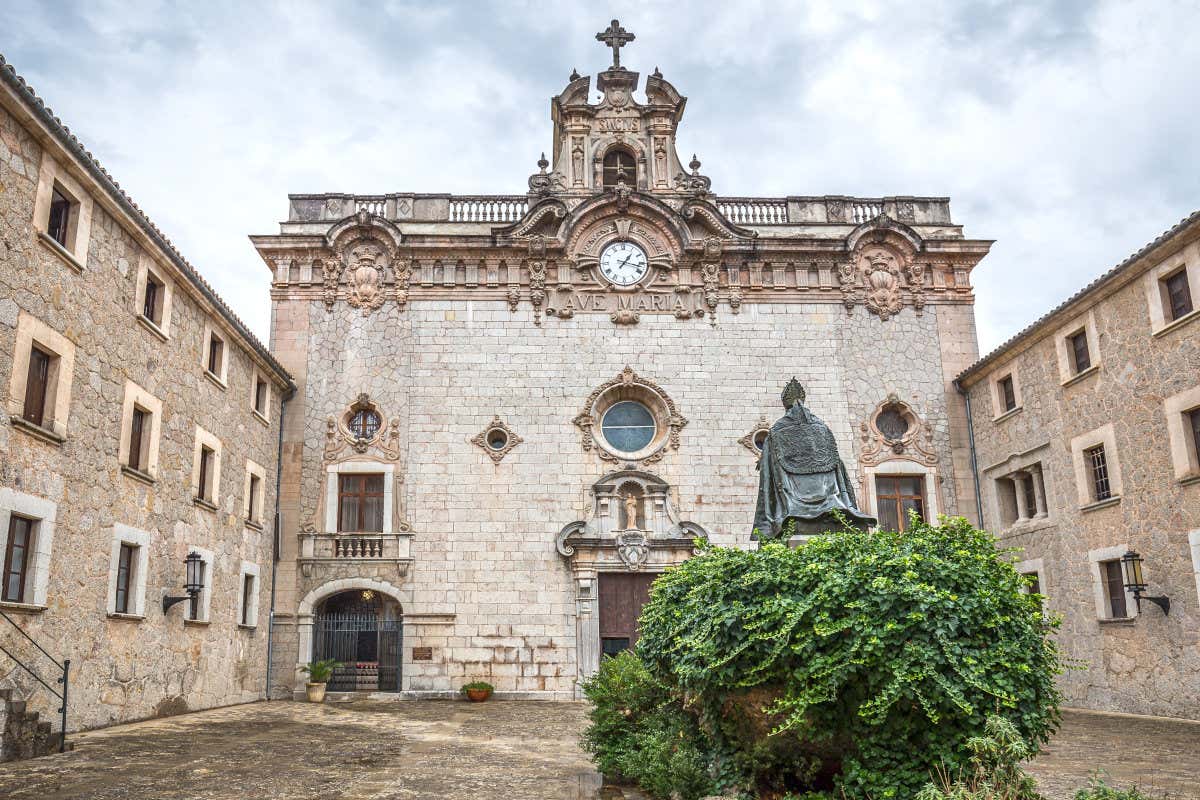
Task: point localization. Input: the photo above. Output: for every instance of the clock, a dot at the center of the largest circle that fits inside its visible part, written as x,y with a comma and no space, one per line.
623,263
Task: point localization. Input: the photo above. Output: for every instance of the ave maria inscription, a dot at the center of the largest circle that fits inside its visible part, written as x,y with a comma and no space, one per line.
625,307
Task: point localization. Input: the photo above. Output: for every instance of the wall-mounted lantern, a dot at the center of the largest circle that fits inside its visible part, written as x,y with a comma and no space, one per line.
1137,585
193,583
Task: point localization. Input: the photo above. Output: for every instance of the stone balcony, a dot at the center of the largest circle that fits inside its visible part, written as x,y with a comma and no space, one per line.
506,209
355,549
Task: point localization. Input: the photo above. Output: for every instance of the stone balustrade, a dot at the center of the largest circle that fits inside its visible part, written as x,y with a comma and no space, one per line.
507,209
340,547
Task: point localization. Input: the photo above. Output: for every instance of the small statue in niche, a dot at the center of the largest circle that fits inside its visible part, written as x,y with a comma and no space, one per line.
631,511
802,477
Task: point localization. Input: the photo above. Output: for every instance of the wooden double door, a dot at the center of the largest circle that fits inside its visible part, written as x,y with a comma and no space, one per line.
621,597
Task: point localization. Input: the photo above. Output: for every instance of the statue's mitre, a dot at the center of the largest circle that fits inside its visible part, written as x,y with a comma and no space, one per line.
793,393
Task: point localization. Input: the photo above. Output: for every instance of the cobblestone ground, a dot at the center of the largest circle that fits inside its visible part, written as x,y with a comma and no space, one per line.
440,749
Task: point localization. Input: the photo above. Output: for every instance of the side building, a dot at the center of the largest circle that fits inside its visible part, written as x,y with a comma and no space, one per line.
141,424
1087,431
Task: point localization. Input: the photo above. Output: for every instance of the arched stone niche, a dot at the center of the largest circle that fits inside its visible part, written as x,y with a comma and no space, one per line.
605,542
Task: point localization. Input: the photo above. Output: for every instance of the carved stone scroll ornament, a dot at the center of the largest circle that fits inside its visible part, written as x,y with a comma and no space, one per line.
544,183
696,185
709,274
916,285
881,281
895,431
403,271
331,275
752,441
497,440
366,278
341,438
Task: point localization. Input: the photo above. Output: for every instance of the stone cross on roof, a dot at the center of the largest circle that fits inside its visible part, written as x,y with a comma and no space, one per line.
615,37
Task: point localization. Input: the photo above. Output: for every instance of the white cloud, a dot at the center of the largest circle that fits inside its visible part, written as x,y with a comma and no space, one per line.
1066,132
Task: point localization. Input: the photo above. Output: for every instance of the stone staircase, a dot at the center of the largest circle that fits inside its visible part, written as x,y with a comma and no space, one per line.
22,733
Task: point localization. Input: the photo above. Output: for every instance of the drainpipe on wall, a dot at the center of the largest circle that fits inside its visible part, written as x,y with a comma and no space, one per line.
971,443
275,541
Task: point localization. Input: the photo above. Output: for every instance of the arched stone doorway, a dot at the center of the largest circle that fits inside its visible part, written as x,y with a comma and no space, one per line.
362,630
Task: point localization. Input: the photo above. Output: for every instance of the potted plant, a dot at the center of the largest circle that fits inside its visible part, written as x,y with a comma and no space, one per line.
477,691
318,673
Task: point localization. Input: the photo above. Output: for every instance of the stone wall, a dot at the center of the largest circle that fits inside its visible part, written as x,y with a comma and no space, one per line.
130,667
487,590
1149,663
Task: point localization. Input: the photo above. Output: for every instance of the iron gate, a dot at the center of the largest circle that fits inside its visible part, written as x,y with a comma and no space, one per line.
368,649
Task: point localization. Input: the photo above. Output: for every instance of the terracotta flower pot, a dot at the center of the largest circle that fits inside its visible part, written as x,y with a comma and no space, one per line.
315,692
478,695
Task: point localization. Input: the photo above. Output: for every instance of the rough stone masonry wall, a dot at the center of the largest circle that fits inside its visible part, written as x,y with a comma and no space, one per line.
484,533
1150,665
127,669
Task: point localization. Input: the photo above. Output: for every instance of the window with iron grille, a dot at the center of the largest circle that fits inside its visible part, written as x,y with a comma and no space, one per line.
895,496
1097,464
17,557
1179,294
37,385
125,566
364,423
1080,356
1008,393
360,502
1114,588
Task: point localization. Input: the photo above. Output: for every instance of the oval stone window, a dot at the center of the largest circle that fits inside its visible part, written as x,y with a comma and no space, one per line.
364,424
891,424
760,438
497,439
628,426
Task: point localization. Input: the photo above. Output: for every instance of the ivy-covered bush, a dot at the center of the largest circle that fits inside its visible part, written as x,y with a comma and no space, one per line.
857,663
1098,789
639,733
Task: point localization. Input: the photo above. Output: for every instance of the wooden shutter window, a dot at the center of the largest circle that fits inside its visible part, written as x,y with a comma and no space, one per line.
1194,420
60,217
1079,350
1179,294
16,558
260,396
247,596
150,303
252,500
1008,393
37,386
125,562
204,488
137,433
215,353
1114,581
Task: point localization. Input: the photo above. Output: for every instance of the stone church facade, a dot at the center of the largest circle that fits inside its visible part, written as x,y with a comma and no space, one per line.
513,411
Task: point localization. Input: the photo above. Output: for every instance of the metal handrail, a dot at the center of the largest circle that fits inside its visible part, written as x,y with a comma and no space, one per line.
65,666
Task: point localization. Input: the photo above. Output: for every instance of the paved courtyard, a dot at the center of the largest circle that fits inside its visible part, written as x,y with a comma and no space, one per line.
442,749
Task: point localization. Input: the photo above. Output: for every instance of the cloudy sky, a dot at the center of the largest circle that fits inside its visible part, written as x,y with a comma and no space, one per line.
1069,132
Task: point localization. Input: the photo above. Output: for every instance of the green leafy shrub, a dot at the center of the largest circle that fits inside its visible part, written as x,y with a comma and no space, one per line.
1097,789
476,686
639,733
995,768
857,663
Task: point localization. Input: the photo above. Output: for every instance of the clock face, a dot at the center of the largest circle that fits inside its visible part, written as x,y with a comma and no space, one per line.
623,263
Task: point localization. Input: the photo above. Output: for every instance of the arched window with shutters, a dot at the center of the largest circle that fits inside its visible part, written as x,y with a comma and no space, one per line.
620,166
